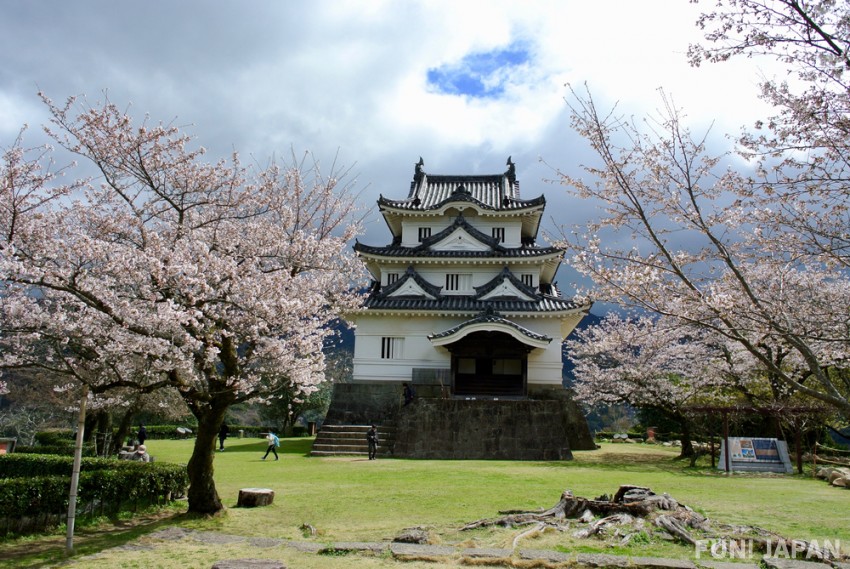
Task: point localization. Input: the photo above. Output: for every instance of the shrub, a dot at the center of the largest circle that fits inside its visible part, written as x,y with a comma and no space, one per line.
35,487
55,437
166,432
22,465
88,449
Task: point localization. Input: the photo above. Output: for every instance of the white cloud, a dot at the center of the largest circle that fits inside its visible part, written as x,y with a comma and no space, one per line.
265,76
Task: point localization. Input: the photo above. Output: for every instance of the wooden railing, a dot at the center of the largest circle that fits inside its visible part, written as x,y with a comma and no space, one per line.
823,454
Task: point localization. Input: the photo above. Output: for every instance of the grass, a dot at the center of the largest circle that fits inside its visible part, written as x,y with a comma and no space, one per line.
354,499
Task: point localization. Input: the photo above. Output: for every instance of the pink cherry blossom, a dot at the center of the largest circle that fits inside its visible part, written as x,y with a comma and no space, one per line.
212,278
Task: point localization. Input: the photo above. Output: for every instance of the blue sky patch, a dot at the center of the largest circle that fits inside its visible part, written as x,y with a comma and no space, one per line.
480,75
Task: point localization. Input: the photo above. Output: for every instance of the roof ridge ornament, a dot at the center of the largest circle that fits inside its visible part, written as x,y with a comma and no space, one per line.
418,176
511,171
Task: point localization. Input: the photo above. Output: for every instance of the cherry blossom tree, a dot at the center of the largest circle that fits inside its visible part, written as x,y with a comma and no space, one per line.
801,189
165,270
759,259
675,369
649,363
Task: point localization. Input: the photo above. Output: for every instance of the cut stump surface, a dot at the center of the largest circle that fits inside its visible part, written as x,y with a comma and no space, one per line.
254,497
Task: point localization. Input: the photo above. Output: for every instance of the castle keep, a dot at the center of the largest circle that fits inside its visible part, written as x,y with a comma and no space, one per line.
463,307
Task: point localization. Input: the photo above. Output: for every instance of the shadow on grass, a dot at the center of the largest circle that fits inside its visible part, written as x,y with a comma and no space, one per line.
49,550
601,460
298,445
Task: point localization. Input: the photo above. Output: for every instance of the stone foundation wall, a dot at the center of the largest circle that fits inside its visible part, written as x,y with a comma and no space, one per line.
575,423
546,426
364,403
482,429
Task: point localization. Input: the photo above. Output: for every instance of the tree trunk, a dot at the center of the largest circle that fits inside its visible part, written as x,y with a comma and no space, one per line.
687,444
123,428
104,431
203,497
90,427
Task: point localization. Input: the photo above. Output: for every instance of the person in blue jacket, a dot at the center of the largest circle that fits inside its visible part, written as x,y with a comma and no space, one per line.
274,442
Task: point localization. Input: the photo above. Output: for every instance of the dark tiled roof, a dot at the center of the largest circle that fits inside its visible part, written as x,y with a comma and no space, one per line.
495,192
471,304
455,196
491,317
402,252
423,249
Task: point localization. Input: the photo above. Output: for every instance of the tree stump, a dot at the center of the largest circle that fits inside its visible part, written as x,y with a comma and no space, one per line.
254,497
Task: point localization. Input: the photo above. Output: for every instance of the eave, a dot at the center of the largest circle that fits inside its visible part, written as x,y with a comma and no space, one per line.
490,322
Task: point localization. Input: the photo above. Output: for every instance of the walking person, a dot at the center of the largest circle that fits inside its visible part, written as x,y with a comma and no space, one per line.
142,435
372,439
222,434
274,442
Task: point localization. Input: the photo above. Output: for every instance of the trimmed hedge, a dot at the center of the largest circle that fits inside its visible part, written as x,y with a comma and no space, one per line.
21,465
88,449
35,488
61,441
55,438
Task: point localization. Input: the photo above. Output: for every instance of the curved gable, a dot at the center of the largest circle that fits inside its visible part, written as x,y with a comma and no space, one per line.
490,321
461,236
505,285
411,285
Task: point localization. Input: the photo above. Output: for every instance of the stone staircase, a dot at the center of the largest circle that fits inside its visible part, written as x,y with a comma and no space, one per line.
350,440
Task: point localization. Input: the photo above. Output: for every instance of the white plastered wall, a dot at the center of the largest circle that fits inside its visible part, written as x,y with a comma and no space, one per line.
410,227
544,365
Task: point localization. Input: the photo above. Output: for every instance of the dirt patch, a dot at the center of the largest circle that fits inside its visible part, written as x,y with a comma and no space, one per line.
109,534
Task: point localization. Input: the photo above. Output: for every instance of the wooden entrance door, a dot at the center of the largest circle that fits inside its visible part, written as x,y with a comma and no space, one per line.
489,364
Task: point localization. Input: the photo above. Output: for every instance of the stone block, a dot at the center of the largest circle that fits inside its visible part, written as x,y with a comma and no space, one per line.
248,564
662,563
601,560
486,552
786,563
544,555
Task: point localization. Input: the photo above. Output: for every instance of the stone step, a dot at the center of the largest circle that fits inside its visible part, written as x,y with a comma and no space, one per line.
352,435
336,446
350,440
348,453
355,428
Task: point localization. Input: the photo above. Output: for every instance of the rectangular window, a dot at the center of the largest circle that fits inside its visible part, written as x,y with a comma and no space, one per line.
392,277
458,282
391,348
507,367
424,233
528,279
466,365
499,234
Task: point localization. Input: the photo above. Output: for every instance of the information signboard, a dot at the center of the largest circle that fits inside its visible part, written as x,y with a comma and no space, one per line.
756,454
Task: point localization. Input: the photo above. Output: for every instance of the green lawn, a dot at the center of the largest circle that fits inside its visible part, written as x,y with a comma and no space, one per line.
354,499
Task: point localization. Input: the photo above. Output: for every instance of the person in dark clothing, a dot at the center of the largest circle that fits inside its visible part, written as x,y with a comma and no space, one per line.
372,439
142,435
222,434
409,394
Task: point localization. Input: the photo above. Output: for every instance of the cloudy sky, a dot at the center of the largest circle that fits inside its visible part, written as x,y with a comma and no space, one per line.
463,84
